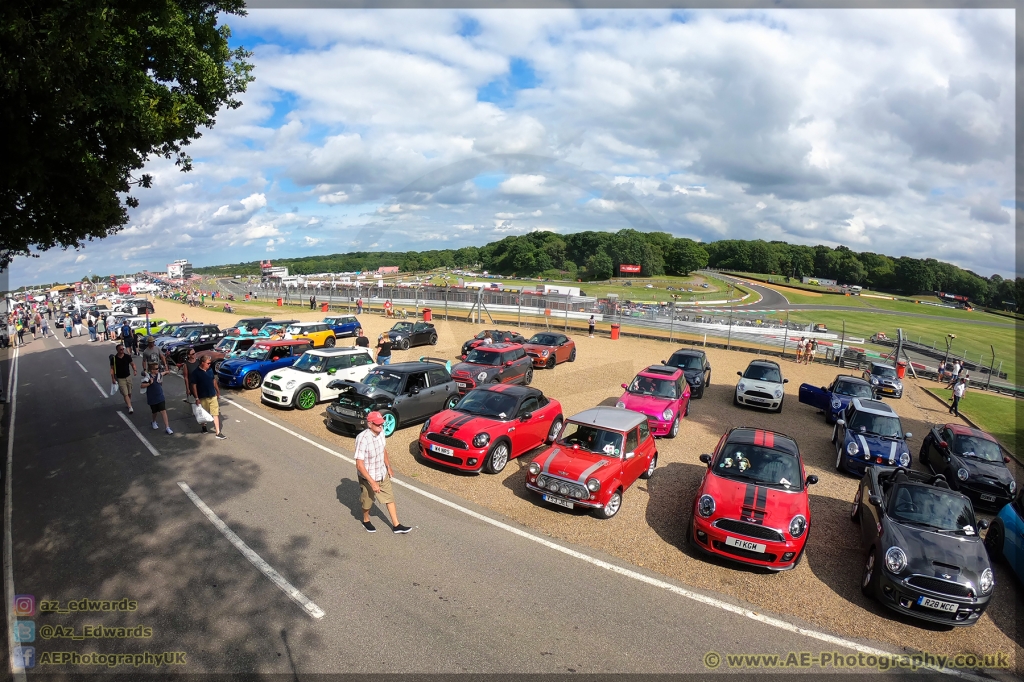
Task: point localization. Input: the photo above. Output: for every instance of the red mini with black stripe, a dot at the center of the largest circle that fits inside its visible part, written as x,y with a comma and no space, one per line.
752,504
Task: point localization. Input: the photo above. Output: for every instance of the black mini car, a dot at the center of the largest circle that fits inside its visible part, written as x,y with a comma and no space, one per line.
972,463
497,336
405,335
404,393
884,381
695,366
924,556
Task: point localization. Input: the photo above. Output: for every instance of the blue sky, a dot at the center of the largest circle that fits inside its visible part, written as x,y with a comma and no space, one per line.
885,130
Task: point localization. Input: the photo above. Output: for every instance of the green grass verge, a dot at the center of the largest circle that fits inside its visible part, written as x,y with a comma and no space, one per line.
993,413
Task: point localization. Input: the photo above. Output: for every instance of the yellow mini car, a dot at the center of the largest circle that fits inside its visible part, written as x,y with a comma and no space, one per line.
321,335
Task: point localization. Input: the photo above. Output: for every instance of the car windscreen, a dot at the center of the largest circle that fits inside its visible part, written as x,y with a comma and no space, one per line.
384,380
760,465
853,389
936,508
763,373
258,353
310,363
224,345
875,424
183,331
592,439
488,404
659,388
980,448
483,357
883,371
544,339
686,361
404,327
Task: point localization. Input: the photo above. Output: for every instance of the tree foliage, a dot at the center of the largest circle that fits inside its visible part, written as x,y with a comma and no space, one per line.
90,91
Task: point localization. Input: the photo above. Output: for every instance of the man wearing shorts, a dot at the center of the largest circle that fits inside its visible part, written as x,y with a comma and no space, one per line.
206,391
374,471
120,366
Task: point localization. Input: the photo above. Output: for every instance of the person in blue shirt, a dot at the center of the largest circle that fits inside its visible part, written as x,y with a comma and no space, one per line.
153,383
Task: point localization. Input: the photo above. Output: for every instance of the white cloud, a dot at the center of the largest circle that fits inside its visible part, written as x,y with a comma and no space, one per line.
334,198
311,241
241,211
710,221
525,184
81,257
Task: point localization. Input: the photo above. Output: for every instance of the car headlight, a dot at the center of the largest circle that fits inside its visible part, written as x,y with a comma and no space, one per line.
426,425
482,376
852,448
962,474
741,387
905,459
290,385
1013,486
797,526
987,581
481,440
593,485
697,380
898,385
778,393
398,337
545,353
895,560
706,506
666,415
837,403
534,468
621,405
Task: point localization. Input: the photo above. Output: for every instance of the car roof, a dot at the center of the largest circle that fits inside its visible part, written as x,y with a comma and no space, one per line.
689,351
660,371
511,389
305,324
281,342
882,364
329,352
765,438
874,407
501,346
615,418
961,430
771,363
849,378
406,367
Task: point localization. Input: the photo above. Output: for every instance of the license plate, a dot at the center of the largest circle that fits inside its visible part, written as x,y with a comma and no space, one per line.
887,390
745,544
560,502
988,498
928,602
347,413
756,400
443,451
460,384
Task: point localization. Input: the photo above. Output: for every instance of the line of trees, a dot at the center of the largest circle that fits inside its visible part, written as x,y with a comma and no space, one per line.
592,256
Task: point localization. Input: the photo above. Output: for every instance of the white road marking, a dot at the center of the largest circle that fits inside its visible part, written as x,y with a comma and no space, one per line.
254,558
635,575
62,344
149,446
82,366
70,353
17,671
98,387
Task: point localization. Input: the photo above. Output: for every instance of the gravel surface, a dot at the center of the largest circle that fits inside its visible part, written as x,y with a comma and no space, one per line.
649,530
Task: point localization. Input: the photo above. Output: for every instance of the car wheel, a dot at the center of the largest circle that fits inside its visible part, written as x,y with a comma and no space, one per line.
839,457
497,458
252,380
689,533
556,428
855,510
611,508
707,382
329,342
495,380
674,431
686,413
451,402
404,345
572,355
433,339
306,398
650,467
835,433
551,362
994,541
390,422
735,400
528,376
869,581
216,366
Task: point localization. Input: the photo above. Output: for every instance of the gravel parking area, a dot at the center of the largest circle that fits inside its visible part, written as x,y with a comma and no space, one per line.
649,530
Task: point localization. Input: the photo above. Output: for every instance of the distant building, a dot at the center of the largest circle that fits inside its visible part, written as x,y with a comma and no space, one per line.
179,269
388,270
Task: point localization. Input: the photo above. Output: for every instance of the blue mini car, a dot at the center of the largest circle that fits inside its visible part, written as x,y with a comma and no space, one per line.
343,325
264,357
1005,536
869,433
835,398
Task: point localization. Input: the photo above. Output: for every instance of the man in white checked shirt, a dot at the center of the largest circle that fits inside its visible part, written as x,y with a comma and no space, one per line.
375,472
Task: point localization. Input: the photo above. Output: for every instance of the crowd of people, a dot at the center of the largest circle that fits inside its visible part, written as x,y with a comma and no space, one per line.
25,319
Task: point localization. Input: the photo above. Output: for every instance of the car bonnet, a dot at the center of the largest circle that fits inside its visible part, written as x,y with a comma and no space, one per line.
460,425
576,464
925,548
886,448
646,404
763,505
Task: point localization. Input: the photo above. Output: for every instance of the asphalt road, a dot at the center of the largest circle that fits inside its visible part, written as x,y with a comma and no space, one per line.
96,515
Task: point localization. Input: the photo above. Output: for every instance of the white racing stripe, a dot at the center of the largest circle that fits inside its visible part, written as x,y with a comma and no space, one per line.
17,671
629,573
82,366
254,558
149,446
98,387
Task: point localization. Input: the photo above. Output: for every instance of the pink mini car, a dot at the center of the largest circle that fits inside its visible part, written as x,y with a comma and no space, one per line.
661,393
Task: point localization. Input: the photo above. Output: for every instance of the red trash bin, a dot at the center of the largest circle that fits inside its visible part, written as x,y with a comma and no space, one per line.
280,301
428,315
615,331
323,308
901,369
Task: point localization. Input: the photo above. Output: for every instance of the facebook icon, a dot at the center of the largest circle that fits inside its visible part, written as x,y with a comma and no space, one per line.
24,657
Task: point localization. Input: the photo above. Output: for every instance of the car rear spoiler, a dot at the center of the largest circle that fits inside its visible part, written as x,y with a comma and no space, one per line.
447,363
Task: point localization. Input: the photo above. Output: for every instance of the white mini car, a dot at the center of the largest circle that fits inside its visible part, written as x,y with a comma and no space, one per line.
761,385
304,384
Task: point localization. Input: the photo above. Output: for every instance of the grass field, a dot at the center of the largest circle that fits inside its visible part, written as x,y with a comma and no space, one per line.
993,413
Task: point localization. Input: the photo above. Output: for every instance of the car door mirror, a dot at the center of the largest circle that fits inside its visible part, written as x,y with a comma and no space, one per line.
875,500
785,381
824,389
508,363
1006,460
623,385
812,479
414,391
907,435
739,374
630,455
943,444
841,422
706,459
982,524
526,416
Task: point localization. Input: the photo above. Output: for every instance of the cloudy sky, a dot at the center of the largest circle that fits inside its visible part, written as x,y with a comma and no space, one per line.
884,130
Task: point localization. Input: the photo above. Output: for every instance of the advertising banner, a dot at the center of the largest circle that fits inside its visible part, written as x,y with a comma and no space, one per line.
632,269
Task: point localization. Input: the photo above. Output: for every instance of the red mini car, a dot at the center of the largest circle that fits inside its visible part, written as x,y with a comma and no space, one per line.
547,349
599,453
490,426
751,505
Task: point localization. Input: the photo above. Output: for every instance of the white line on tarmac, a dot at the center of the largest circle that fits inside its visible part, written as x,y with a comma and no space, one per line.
62,344
655,582
17,669
70,353
254,558
149,446
98,387
82,366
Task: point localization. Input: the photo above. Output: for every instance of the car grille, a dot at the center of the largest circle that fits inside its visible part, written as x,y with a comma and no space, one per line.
447,440
751,530
271,386
745,553
941,586
464,378
563,487
759,394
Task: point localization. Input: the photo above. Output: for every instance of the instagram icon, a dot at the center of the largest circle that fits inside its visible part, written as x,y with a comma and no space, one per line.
24,605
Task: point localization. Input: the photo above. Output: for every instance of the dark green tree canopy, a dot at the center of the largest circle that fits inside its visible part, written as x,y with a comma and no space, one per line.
89,90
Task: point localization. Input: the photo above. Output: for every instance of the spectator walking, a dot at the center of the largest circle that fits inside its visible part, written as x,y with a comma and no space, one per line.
957,368
12,330
77,320
153,382
190,364
101,328
122,369
812,348
67,325
361,340
374,470
151,354
128,337
21,332
383,350
206,391
312,302
958,393
359,306
801,345
590,326
91,324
